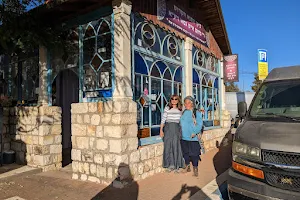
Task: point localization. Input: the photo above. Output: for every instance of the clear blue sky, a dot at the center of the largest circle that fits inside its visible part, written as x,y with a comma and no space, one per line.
268,24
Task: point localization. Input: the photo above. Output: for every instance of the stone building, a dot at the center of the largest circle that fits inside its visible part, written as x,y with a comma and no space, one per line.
98,105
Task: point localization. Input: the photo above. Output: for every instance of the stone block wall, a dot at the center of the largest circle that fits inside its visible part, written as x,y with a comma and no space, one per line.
146,161
105,144
226,119
213,137
35,136
104,138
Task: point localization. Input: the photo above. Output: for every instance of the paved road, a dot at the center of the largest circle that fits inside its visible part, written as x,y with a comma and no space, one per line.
219,194
222,192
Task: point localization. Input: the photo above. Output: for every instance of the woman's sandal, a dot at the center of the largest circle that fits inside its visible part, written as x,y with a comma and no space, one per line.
187,169
195,169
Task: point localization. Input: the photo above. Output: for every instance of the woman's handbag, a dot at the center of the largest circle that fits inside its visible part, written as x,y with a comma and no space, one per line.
199,135
201,142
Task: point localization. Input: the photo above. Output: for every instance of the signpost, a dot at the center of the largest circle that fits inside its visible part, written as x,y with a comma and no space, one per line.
231,68
263,68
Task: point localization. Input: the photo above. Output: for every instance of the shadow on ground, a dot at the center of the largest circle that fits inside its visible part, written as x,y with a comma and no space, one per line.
222,162
9,167
191,190
125,188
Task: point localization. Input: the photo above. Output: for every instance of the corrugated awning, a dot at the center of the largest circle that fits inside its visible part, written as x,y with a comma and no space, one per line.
213,17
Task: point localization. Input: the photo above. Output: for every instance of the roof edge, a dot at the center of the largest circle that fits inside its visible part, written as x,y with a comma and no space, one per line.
223,25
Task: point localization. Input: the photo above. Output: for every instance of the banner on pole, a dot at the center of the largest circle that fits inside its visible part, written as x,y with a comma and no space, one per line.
263,68
231,68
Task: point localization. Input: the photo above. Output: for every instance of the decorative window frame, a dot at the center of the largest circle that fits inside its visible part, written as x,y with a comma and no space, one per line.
80,23
106,92
168,50
201,71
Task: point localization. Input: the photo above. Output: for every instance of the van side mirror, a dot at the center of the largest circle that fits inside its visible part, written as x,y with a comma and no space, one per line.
242,109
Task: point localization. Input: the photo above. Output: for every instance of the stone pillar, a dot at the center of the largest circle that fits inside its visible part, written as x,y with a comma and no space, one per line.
222,86
122,49
104,139
225,115
43,97
188,67
104,134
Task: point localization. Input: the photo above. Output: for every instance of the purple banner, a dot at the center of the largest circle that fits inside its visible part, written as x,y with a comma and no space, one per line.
231,68
181,21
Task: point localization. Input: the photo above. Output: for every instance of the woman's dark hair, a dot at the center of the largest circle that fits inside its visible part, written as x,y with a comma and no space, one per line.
195,112
179,104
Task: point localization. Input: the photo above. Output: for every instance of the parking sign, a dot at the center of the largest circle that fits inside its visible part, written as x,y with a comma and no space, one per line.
263,69
262,55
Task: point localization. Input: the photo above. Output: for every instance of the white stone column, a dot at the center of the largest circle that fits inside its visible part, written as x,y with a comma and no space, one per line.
122,49
222,85
225,116
43,97
188,67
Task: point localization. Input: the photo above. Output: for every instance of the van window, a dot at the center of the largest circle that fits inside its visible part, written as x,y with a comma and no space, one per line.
277,99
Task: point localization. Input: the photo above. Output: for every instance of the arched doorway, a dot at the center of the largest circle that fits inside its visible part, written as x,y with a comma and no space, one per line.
65,91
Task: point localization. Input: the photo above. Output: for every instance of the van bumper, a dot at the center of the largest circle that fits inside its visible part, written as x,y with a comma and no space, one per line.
240,187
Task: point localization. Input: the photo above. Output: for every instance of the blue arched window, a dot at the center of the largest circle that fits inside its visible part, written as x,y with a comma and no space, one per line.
178,78
157,75
206,86
140,65
196,87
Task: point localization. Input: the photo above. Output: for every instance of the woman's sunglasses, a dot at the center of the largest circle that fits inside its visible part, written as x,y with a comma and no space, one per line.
174,99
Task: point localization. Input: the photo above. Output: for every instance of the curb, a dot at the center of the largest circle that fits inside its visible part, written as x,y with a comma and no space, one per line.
213,190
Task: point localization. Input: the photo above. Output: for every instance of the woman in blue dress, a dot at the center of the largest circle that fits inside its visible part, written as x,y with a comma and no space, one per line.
191,126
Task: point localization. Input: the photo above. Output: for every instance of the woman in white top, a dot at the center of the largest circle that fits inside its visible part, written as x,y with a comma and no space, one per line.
171,133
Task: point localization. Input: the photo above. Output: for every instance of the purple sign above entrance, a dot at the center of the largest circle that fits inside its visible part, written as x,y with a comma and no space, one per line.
181,21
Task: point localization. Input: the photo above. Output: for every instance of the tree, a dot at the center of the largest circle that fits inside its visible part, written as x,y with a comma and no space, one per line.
256,83
23,27
231,87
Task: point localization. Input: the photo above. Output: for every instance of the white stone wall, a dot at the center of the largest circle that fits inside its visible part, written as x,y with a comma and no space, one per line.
35,136
226,119
104,138
105,143
213,137
146,161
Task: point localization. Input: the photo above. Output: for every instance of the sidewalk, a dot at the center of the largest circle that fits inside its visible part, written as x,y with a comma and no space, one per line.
165,186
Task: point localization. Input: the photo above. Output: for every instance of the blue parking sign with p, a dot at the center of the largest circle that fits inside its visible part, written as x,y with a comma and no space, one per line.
262,55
